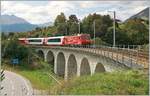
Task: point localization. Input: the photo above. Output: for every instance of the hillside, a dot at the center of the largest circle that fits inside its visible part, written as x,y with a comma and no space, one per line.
12,19
12,23
45,24
144,14
22,27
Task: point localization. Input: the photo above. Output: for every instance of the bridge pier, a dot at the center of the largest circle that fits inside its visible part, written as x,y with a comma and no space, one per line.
55,65
45,56
78,66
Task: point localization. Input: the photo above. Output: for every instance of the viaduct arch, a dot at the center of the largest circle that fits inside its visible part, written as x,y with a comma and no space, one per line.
99,68
85,67
41,54
72,66
61,64
50,58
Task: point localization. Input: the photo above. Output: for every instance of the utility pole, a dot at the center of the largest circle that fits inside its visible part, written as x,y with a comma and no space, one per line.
94,31
114,38
114,28
79,26
66,28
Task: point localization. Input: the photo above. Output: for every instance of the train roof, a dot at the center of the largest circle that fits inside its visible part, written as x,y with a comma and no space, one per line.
82,34
56,37
21,38
35,38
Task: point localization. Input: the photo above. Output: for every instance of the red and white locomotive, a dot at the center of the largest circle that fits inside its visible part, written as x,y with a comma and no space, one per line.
80,39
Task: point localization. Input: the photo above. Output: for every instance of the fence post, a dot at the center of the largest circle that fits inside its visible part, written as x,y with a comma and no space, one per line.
122,56
137,57
117,54
111,53
128,48
128,54
107,53
131,59
124,47
139,52
133,47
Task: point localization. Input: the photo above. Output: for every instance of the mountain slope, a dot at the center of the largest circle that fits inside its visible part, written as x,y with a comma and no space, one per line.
12,19
17,27
12,23
144,14
46,24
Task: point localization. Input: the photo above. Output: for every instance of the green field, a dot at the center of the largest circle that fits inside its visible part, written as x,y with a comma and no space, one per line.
120,83
125,83
39,78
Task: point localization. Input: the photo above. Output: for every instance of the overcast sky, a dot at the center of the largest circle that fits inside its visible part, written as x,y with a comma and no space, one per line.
37,12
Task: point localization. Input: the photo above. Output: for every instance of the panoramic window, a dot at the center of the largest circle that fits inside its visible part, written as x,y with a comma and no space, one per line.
54,40
37,40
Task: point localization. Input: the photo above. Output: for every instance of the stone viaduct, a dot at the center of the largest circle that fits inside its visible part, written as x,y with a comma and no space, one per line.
70,62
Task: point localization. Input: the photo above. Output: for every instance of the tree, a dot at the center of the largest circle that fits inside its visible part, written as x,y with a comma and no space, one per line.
60,19
102,23
136,31
121,37
12,49
60,23
73,18
98,41
73,25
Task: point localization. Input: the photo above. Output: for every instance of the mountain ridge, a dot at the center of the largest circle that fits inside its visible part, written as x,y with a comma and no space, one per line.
12,23
144,14
12,19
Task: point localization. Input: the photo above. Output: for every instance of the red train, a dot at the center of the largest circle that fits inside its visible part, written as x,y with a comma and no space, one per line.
80,39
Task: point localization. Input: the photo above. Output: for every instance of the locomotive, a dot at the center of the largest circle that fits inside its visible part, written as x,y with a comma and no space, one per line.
80,39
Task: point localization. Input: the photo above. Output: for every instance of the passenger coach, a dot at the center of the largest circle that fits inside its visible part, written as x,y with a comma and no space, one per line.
80,39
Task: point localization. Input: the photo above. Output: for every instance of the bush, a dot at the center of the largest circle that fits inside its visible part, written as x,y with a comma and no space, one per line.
98,41
12,49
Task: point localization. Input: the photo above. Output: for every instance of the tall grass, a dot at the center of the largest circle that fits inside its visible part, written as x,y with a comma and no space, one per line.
39,77
117,83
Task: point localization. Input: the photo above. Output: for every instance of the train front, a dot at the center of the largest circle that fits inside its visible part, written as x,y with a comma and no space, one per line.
85,39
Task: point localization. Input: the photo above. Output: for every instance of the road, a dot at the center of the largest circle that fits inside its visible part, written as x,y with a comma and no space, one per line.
15,85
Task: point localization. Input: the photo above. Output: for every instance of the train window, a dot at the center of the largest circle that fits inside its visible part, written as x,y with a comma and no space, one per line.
36,40
54,40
